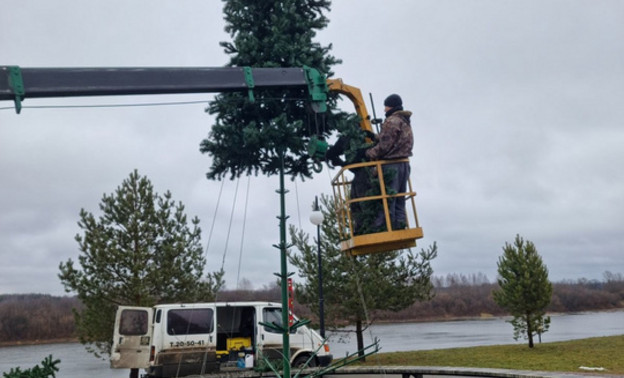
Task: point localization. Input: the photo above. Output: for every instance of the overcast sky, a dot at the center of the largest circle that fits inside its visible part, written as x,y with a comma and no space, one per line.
518,123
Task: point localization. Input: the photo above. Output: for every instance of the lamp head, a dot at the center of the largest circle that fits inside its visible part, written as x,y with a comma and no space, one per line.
316,218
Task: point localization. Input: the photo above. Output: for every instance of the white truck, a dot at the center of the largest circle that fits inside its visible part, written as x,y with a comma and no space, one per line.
182,339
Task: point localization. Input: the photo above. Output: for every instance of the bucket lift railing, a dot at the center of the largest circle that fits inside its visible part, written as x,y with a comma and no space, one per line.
356,241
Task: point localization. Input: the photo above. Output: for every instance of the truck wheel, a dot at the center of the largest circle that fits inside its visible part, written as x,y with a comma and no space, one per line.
301,360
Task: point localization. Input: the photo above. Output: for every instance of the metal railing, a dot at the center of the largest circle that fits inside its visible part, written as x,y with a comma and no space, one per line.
349,199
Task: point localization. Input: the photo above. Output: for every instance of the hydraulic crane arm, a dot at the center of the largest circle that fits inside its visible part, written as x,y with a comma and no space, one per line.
355,95
318,147
18,83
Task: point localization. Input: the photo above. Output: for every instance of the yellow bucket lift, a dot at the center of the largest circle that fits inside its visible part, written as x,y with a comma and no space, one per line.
387,240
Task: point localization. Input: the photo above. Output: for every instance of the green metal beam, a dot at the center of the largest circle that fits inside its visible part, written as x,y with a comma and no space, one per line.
18,83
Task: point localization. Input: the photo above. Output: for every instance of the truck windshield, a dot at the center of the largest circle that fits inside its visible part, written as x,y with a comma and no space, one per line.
272,315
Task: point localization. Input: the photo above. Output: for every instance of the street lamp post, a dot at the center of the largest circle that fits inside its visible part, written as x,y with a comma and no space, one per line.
317,219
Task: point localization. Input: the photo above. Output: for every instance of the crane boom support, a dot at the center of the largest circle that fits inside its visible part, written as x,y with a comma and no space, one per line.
18,83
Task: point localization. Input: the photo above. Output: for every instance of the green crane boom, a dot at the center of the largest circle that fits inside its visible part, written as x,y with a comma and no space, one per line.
18,83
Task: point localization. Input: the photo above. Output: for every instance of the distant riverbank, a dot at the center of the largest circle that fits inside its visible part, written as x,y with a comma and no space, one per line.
483,317
39,342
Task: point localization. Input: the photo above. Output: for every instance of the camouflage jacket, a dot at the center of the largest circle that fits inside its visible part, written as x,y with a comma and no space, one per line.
395,139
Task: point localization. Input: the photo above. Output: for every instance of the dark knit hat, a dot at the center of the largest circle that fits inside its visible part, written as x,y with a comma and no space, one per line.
393,101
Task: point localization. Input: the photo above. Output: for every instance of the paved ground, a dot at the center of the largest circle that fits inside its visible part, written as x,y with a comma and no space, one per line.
417,372
440,371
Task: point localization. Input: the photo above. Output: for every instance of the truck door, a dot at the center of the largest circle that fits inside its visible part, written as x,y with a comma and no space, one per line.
132,337
272,340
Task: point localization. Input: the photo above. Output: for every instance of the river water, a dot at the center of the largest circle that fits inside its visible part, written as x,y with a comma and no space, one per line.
76,362
465,333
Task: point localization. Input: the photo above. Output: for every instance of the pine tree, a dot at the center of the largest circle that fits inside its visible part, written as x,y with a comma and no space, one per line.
525,290
354,287
251,137
141,251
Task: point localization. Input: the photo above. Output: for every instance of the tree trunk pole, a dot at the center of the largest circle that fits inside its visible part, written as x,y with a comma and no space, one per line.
360,339
320,273
284,273
529,330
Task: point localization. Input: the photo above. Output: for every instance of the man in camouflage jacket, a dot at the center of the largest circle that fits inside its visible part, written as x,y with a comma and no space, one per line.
395,142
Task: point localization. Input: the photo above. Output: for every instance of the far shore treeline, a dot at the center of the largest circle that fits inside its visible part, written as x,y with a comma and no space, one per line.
39,318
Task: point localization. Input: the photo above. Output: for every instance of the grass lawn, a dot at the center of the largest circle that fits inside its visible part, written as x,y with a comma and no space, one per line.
566,356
